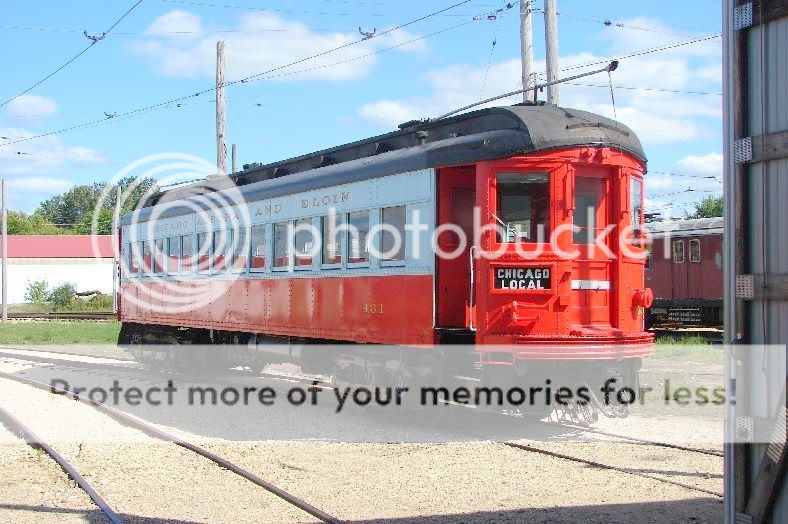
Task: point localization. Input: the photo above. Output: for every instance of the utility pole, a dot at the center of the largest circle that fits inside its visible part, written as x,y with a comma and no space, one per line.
526,46
4,255
551,49
234,164
116,251
221,122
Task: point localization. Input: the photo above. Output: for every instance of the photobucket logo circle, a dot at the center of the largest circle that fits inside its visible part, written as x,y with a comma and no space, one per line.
168,268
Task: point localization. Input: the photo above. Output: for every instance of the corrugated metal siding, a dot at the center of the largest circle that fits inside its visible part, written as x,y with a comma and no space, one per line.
766,209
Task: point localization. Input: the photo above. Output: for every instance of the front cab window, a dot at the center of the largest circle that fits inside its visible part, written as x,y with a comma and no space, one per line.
523,206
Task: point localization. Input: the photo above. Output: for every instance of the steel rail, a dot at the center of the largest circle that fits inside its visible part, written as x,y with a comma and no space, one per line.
596,464
33,440
155,432
311,381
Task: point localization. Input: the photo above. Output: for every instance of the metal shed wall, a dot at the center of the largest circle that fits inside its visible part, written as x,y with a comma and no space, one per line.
755,85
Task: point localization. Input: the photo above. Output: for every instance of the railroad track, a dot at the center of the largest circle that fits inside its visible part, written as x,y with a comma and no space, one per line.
622,439
63,316
602,465
310,380
152,431
36,442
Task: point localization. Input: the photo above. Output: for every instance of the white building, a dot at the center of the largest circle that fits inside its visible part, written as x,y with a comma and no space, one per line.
84,260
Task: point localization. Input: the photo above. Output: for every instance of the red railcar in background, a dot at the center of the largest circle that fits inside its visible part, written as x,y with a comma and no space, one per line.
684,270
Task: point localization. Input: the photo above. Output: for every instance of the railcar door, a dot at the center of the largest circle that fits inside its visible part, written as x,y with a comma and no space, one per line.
591,270
456,204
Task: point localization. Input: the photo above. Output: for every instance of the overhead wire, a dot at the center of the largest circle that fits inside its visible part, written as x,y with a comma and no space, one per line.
116,117
73,58
135,112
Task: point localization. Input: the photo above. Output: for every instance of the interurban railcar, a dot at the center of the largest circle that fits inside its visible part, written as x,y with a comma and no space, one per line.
529,201
684,268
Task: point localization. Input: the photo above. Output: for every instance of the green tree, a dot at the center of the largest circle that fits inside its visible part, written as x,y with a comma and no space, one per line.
709,207
37,291
23,224
63,295
77,205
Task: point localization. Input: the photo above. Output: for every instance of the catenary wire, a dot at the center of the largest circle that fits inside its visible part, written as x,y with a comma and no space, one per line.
73,58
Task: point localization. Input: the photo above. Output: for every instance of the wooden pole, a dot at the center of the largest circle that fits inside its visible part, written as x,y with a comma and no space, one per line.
4,254
551,49
526,47
116,251
221,122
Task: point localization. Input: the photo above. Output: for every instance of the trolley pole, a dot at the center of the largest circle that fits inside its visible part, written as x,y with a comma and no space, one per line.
4,254
221,122
526,47
551,49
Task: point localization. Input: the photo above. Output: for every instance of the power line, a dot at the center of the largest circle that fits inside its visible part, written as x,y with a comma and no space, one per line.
665,47
690,190
715,177
140,33
93,42
641,88
277,10
116,117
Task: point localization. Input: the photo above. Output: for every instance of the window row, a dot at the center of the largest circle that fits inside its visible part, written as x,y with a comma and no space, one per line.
678,251
340,240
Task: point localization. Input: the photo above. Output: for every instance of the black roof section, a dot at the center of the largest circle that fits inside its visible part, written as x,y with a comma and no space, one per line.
485,134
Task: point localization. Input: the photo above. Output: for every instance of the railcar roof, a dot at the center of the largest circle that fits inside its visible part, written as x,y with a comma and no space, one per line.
686,227
487,134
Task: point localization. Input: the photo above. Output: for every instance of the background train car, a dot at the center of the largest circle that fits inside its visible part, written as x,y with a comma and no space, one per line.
684,270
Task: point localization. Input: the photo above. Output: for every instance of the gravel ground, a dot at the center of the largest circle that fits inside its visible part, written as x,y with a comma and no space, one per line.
398,482
36,489
141,478
467,482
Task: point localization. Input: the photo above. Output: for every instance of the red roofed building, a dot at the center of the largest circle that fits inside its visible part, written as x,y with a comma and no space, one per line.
84,260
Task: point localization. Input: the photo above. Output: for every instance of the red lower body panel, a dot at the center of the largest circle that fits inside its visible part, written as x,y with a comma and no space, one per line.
376,309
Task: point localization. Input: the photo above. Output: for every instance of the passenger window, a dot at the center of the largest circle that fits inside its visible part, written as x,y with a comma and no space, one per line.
332,251
281,241
304,242
203,249
636,207
146,257
187,253
358,236
678,251
258,248
158,256
240,249
173,254
694,250
393,235
129,259
588,193
222,240
522,206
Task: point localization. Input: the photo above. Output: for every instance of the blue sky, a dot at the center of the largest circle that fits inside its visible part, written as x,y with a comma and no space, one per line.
164,49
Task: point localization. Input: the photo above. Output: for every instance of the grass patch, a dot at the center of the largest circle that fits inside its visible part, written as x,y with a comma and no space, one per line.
696,348
59,332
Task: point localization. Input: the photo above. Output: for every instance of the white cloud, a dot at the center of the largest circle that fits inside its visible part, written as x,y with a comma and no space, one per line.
43,155
705,165
38,185
175,22
179,44
31,106
657,116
